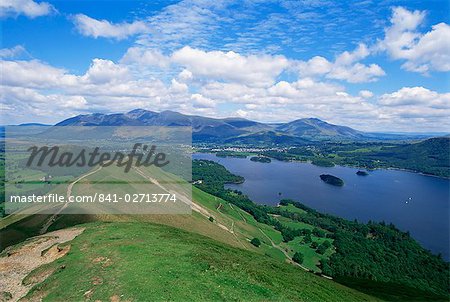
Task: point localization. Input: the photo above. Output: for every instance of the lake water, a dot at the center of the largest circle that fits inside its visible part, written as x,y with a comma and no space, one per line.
383,195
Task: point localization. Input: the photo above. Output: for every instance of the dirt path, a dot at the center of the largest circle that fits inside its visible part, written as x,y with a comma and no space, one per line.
195,206
19,261
52,218
240,214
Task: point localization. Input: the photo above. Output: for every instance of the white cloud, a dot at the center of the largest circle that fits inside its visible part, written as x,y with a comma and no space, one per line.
28,8
41,92
230,66
91,27
106,71
33,73
200,101
357,73
316,66
348,58
241,113
25,102
216,83
416,108
146,57
416,96
7,53
254,70
345,67
189,22
185,75
367,94
422,52
178,88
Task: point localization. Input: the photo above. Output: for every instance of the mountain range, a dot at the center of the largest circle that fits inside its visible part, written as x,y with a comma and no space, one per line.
234,130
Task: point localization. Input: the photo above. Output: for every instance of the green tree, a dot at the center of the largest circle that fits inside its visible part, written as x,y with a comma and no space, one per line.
318,232
307,239
256,242
298,257
321,249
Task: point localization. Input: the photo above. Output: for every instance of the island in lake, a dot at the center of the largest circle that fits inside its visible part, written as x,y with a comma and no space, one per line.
261,159
332,180
362,173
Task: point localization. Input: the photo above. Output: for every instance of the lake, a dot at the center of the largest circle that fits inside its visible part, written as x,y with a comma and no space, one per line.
413,202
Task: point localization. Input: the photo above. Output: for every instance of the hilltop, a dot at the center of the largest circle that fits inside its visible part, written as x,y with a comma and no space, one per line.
234,130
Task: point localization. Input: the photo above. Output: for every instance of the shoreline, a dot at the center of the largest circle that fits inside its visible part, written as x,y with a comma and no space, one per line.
347,166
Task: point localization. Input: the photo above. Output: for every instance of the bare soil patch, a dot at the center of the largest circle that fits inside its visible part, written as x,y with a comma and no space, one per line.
19,261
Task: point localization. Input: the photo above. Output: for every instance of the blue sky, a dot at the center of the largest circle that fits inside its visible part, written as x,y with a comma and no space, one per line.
372,65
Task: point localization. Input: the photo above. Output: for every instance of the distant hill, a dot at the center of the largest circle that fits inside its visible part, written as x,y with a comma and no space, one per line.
204,128
34,125
267,138
431,156
235,130
314,128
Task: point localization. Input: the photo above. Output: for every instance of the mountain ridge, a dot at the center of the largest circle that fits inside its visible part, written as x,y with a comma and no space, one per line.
234,129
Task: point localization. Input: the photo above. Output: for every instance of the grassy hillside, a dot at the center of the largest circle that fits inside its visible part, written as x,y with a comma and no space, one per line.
283,232
251,267
146,262
377,253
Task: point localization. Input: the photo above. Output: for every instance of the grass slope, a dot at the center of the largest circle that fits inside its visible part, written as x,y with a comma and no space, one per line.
146,262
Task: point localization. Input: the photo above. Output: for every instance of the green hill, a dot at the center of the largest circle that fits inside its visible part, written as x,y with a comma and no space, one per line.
146,262
173,257
431,156
212,245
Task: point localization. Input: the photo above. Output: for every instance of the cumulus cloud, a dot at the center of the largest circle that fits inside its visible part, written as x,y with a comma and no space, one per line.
254,70
25,102
200,101
422,52
230,66
178,88
29,8
416,96
345,67
7,53
367,94
415,108
106,71
91,27
185,75
34,87
145,57
50,94
34,73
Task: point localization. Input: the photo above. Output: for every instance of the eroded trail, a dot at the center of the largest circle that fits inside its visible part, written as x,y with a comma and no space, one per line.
21,260
52,218
194,206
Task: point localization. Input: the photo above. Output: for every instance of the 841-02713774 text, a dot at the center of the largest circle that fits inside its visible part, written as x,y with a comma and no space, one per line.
97,197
